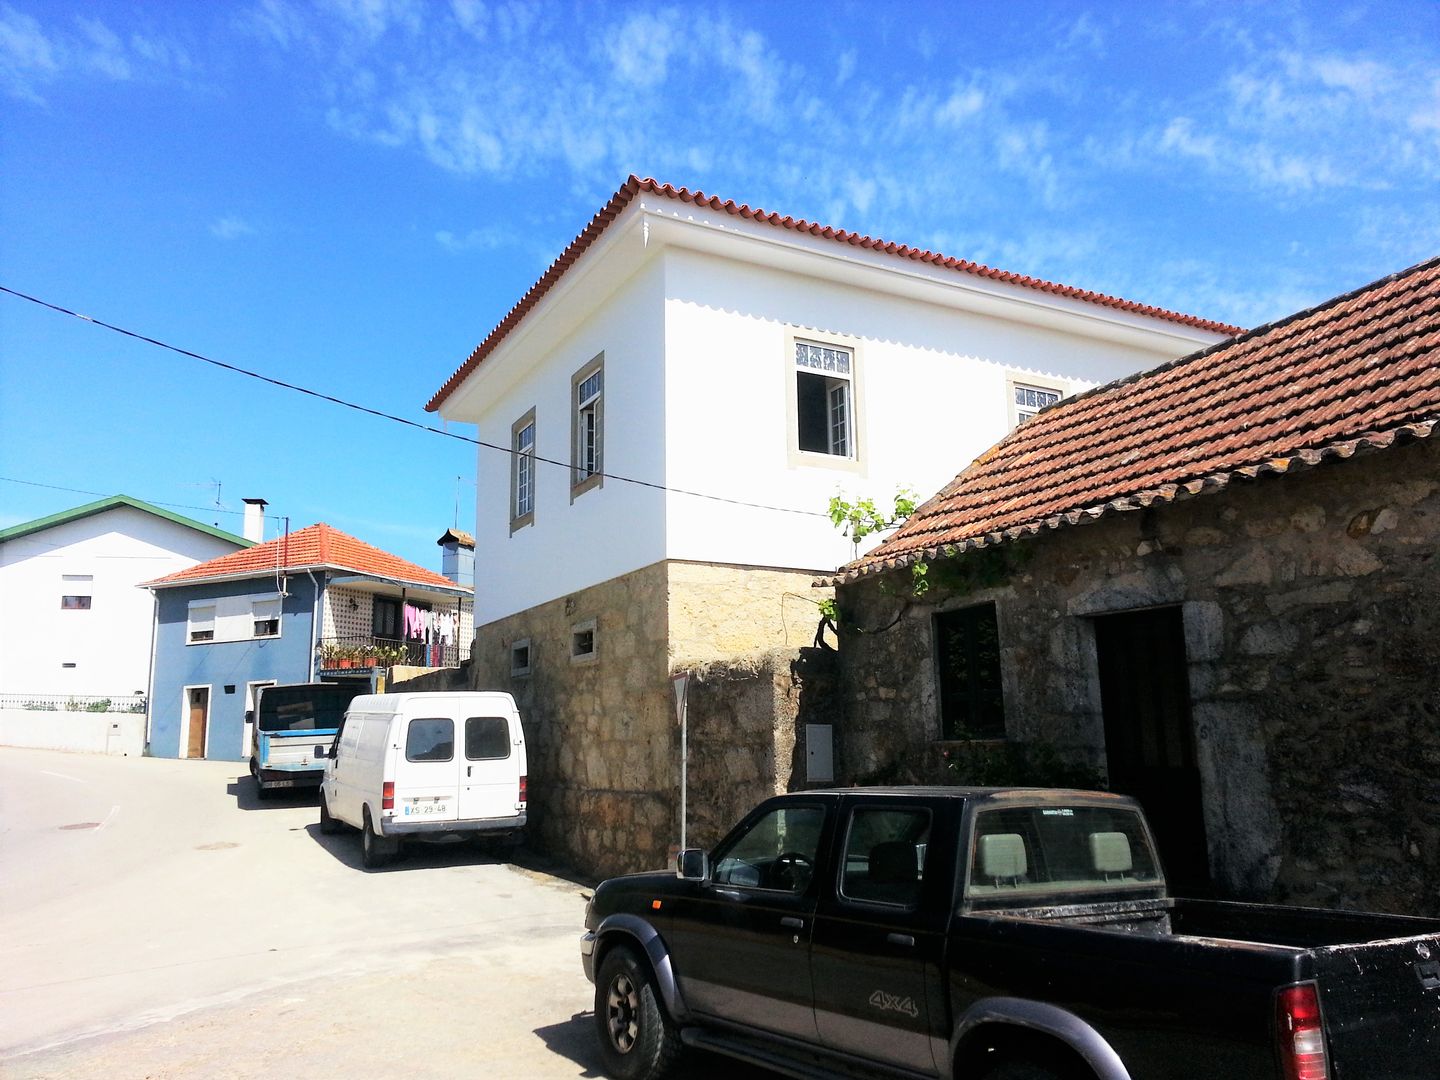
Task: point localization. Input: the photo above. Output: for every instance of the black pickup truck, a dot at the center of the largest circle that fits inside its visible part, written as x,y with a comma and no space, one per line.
997,934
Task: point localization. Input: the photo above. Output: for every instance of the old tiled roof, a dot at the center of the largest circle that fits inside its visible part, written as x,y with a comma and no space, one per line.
1359,372
318,547
634,186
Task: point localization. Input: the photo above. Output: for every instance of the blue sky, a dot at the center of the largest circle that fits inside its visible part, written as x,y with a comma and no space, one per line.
348,194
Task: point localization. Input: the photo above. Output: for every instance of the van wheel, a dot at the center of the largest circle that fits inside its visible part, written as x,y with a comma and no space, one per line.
262,793
328,824
375,851
638,1041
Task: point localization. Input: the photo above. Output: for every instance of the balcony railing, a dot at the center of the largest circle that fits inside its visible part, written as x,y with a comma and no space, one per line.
338,654
120,703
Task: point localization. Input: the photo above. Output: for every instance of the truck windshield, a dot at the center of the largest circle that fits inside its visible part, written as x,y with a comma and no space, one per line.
304,708
1041,848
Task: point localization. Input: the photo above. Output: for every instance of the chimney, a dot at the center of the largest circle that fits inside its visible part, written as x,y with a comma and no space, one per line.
255,519
457,560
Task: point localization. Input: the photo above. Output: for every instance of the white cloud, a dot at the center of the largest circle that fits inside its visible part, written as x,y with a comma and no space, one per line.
27,56
231,228
486,239
34,56
640,51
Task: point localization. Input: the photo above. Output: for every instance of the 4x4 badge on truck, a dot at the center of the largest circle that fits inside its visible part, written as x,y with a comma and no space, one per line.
894,1003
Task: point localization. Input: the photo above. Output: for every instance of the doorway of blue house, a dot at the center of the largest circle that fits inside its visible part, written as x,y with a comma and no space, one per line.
197,721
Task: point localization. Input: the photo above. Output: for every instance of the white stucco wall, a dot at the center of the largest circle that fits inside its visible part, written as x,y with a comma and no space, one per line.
606,531
695,311
933,391
109,644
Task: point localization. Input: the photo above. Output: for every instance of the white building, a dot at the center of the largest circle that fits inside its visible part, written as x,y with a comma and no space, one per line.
78,624
743,367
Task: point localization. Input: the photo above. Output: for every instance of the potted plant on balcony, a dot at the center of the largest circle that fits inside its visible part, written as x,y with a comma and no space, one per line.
329,656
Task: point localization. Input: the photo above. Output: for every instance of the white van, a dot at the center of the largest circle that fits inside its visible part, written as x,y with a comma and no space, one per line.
425,763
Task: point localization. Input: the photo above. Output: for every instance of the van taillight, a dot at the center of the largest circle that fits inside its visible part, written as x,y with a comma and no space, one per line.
387,795
1301,1034
522,788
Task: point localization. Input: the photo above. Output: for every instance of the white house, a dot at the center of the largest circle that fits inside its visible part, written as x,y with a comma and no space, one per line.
681,394
79,627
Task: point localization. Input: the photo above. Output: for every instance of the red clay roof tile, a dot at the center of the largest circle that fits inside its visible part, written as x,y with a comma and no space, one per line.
634,186
314,547
1361,371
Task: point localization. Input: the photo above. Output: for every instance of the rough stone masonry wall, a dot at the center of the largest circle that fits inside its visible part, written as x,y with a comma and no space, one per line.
603,756
603,742
746,724
1311,606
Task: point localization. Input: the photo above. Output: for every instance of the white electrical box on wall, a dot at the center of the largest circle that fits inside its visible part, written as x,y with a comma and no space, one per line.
819,753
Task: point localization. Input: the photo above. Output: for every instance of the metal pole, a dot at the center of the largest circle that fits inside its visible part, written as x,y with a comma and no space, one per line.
684,764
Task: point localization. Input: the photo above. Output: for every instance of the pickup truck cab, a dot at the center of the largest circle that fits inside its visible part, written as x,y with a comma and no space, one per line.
997,934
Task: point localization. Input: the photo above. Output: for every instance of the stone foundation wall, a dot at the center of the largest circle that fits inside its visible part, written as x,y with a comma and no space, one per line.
1311,609
604,745
603,755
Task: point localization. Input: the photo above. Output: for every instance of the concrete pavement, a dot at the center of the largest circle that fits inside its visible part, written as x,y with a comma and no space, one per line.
158,921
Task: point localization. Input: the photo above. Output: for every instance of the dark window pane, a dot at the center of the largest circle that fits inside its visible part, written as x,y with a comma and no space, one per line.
487,738
812,413
885,856
967,644
430,740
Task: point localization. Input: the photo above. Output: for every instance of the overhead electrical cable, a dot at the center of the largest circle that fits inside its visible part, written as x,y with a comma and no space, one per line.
509,451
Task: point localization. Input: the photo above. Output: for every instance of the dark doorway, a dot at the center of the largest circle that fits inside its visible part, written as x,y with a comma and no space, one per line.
1149,739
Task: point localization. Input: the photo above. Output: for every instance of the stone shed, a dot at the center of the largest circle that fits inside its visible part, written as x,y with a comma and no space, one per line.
1214,586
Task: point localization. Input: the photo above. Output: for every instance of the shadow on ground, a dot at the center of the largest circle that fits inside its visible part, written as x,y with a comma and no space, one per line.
574,1039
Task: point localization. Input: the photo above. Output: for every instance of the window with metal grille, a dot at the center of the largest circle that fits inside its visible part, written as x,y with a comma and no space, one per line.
967,646
824,399
1029,400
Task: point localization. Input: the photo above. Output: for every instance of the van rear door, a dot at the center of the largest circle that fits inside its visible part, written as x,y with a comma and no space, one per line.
426,769
489,773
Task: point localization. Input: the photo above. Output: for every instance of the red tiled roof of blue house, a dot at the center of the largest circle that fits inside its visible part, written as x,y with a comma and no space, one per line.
1359,372
634,186
315,547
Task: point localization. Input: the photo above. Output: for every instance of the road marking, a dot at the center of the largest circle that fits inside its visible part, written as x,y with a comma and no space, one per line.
113,811
62,776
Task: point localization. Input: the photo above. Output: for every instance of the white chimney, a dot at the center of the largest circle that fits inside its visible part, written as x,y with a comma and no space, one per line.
255,519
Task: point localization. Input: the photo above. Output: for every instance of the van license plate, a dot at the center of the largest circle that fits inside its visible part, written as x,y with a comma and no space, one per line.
427,807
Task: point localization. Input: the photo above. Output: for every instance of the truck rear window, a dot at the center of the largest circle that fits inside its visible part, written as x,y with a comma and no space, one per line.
1036,849
304,708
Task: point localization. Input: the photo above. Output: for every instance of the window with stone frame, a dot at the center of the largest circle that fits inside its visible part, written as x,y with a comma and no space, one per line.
522,472
967,663
587,448
824,399
1027,400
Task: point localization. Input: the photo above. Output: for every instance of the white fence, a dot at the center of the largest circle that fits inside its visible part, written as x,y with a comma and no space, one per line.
81,725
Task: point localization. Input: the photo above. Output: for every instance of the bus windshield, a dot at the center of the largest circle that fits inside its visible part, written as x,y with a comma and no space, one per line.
311,707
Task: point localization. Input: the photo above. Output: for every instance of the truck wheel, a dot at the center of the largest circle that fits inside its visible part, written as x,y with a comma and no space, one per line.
328,824
638,1041
262,793
375,851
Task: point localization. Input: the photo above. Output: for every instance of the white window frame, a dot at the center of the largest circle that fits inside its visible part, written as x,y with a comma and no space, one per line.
200,619
259,608
522,472
587,427
837,361
1016,387
517,669
577,634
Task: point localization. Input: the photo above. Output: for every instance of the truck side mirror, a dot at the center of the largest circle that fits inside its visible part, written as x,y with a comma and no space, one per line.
692,864
249,716
331,752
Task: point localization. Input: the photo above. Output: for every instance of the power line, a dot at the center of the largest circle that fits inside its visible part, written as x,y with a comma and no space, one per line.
509,451
153,502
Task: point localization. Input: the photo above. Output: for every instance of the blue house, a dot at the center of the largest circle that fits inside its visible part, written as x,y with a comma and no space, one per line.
314,605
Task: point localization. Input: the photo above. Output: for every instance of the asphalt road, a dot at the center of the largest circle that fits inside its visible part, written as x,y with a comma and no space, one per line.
156,920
